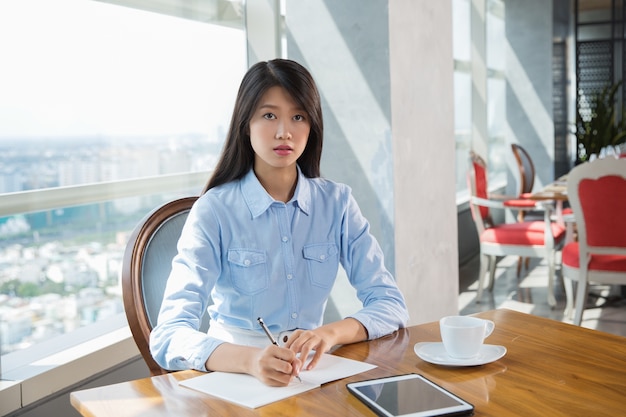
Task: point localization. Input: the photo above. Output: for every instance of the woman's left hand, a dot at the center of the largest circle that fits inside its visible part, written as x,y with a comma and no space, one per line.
323,338
304,341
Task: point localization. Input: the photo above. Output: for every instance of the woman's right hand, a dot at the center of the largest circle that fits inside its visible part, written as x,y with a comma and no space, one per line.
275,366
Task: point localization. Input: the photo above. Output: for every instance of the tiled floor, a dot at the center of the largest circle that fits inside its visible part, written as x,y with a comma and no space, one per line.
606,305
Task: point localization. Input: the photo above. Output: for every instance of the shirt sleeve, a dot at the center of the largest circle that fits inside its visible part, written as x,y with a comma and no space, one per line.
176,342
384,309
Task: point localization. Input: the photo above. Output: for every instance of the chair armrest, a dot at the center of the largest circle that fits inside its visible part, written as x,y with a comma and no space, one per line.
484,202
512,203
501,197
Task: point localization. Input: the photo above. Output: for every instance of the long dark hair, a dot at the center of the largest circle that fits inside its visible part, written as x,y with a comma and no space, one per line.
237,155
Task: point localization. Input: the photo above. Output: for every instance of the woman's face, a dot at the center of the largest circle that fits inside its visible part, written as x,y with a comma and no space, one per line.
279,131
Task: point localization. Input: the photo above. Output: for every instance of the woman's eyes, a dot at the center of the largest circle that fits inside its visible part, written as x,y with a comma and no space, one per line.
272,116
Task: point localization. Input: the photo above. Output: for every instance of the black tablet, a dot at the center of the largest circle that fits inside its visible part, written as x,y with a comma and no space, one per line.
409,395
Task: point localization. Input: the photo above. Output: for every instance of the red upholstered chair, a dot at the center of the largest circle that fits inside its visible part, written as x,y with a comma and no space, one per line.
526,169
597,194
526,238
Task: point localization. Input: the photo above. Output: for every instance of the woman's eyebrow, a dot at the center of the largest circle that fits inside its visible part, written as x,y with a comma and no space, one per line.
275,106
268,106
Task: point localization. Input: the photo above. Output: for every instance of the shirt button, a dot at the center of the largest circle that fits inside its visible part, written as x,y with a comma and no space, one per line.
294,315
289,276
285,238
322,257
246,262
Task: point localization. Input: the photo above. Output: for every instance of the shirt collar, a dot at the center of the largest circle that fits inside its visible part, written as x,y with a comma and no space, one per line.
258,200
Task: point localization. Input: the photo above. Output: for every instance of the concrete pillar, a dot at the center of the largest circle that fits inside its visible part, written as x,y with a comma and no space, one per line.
423,148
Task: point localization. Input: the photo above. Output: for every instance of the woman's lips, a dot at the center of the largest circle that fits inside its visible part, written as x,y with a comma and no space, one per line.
283,150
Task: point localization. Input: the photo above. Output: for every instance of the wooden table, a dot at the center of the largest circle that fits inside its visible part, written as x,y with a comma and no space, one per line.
550,369
556,191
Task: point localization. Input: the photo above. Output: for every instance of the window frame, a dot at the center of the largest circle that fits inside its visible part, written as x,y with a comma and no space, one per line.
32,374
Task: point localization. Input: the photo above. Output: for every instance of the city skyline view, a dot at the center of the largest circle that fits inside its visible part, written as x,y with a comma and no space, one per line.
37,164
96,92
61,269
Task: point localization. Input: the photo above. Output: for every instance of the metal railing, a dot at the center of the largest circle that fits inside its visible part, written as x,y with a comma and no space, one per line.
52,198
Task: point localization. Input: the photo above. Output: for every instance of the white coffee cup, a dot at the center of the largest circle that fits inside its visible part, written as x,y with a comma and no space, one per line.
463,336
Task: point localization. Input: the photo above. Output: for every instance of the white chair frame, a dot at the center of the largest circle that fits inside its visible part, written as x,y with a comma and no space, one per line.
583,275
489,251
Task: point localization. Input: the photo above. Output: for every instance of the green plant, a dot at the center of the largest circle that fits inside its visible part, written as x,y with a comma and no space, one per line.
598,125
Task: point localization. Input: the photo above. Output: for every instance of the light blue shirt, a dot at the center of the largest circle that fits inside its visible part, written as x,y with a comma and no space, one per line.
258,257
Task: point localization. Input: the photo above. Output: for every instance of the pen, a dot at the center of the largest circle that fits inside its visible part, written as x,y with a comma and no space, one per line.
269,335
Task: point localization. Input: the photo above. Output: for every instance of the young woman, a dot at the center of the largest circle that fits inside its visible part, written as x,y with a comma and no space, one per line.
265,240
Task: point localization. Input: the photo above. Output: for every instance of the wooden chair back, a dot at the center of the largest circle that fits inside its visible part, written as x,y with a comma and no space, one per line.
146,268
526,169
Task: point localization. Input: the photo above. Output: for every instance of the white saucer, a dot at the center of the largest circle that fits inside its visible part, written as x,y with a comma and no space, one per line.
434,352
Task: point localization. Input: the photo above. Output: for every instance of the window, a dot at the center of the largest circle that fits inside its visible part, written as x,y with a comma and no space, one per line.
100,99
496,91
462,89
467,48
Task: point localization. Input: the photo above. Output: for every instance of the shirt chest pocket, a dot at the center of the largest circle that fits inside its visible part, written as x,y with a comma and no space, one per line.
322,263
248,270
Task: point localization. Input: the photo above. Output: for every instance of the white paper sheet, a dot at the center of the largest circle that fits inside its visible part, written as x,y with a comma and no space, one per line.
248,391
